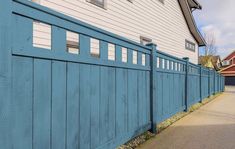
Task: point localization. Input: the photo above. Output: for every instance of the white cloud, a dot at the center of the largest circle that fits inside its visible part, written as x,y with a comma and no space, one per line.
218,16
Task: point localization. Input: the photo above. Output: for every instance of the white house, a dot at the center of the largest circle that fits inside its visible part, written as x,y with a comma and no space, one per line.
168,23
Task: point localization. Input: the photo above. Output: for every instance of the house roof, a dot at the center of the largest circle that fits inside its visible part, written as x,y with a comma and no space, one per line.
228,71
194,4
231,55
210,61
187,6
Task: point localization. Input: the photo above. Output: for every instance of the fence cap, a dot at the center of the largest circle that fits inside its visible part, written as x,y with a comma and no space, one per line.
151,44
186,58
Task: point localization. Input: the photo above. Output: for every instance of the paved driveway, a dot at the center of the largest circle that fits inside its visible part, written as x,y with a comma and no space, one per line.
210,127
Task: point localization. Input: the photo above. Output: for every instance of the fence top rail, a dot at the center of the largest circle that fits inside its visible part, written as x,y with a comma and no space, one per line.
194,65
35,11
170,57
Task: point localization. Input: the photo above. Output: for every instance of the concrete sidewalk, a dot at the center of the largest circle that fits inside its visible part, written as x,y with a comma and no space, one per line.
210,127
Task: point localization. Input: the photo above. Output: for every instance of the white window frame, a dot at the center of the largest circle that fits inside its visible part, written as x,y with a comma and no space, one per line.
190,45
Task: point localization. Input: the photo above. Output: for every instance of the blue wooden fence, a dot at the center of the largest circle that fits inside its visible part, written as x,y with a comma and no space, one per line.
52,99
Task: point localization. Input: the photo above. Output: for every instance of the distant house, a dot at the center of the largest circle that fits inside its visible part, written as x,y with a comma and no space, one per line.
213,62
168,23
229,69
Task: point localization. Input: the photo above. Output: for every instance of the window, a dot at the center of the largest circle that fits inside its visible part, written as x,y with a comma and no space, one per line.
99,3
145,40
190,45
226,63
72,44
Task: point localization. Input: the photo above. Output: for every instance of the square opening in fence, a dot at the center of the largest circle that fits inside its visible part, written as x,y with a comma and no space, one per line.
158,62
111,52
180,67
95,48
176,66
168,64
72,42
163,63
172,65
143,59
135,59
124,55
41,35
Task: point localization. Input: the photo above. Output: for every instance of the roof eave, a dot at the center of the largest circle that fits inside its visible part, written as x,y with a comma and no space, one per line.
191,22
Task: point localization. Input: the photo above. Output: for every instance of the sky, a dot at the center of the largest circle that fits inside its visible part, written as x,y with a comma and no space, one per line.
218,17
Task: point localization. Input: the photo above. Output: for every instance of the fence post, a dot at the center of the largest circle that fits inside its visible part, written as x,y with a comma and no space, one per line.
5,73
223,83
214,82
186,82
200,83
153,96
209,83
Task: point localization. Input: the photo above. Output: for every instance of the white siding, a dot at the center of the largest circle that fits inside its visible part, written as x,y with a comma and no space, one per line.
163,23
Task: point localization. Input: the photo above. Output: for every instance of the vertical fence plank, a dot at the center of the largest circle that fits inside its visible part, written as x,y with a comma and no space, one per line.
73,105
112,103
5,74
121,101
104,106
140,98
42,104
95,107
107,104
59,103
85,108
22,117
132,100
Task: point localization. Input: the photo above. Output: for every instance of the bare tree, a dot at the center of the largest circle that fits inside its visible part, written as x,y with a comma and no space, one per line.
210,48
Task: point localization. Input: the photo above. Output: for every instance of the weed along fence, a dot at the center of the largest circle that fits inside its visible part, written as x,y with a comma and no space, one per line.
57,97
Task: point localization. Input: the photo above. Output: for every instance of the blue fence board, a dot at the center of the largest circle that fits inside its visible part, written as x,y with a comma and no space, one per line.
61,100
